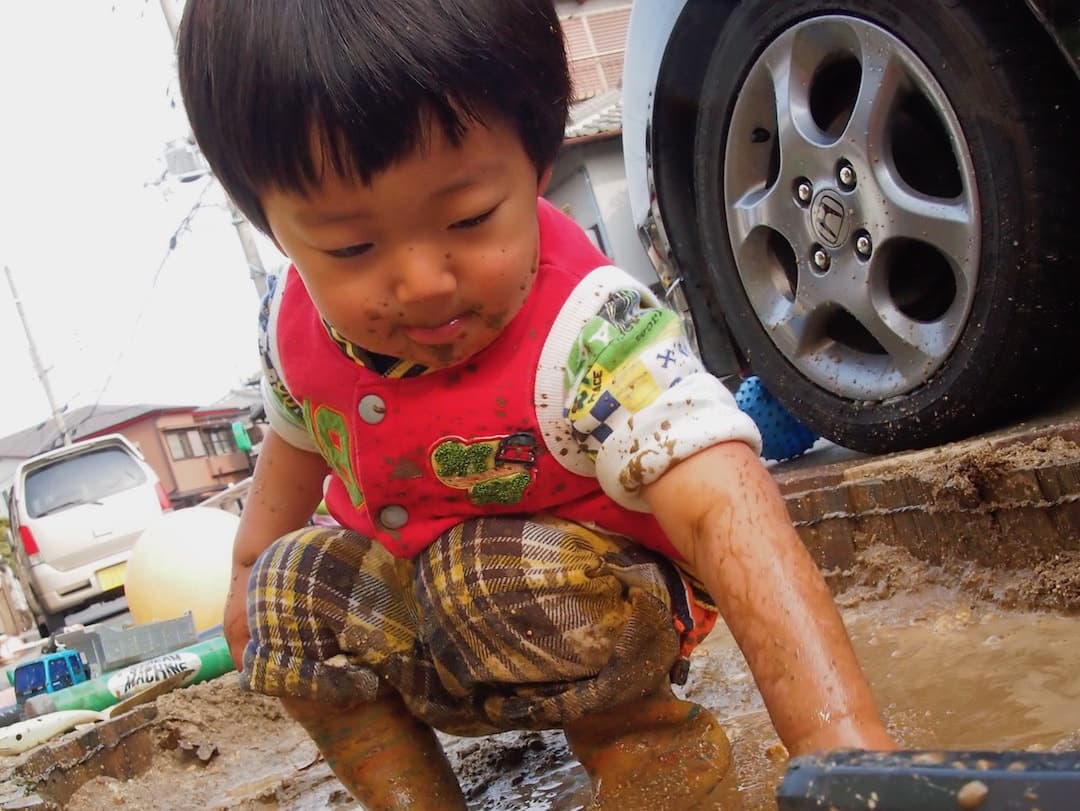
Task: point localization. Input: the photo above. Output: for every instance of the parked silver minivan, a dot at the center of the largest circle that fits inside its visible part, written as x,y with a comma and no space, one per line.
77,512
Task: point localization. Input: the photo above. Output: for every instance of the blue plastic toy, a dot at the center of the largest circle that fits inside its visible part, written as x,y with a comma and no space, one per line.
782,436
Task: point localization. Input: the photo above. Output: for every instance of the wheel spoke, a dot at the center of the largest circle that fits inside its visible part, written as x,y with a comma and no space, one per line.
950,226
796,326
882,78
769,208
915,348
799,135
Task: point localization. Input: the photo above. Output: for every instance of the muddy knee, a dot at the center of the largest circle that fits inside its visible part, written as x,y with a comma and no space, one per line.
516,603
307,594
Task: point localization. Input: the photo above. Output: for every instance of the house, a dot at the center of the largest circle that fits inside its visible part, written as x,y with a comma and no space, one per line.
195,451
588,180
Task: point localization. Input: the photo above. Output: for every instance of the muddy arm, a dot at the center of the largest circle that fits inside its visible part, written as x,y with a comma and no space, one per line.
723,512
285,491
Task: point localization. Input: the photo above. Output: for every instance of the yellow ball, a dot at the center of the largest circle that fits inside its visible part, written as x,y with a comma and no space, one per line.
180,563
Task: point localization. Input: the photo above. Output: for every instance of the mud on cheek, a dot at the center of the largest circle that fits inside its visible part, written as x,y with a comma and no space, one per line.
496,321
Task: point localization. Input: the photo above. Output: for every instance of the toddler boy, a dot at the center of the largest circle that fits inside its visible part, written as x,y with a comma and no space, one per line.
538,484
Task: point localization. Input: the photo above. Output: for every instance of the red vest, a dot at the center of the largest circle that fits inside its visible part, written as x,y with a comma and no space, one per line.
412,457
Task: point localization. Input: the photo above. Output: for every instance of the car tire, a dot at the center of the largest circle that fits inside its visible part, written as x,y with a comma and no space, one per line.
923,337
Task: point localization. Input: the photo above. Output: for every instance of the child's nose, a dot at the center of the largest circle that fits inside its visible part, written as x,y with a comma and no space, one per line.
422,273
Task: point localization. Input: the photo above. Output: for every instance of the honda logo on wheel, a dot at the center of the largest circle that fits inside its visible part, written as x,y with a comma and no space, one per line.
830,220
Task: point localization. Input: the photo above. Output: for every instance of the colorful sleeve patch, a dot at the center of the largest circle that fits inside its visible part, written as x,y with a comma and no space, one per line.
624,359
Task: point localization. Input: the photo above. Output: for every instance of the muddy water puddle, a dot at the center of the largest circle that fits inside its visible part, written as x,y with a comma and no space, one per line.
948,673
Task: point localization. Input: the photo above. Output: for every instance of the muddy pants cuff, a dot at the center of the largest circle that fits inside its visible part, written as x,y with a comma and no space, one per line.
502,623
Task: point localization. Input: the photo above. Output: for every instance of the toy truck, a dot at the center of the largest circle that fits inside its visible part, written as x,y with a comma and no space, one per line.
48,674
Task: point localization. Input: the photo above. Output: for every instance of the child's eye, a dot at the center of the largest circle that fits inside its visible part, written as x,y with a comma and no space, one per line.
351,251
472,222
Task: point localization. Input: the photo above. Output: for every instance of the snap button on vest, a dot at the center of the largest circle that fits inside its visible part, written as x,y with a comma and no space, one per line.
393,516
372,409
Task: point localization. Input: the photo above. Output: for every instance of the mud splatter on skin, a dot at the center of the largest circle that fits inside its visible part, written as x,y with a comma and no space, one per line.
495,321
444,353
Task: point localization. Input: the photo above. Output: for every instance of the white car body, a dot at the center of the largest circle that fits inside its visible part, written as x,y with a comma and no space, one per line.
82,529
650,29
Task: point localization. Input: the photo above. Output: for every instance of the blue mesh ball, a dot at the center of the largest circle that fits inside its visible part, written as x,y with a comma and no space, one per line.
782,436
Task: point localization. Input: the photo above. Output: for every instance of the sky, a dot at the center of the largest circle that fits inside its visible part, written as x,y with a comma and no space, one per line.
88,102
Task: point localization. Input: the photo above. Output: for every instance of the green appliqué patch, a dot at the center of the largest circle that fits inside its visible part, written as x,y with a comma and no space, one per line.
455,459
505,490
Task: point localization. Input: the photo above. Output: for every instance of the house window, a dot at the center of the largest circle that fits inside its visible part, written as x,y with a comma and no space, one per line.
596,45
220,441
185,444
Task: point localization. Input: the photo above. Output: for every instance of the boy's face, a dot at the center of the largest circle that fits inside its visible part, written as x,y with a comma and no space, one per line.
431,260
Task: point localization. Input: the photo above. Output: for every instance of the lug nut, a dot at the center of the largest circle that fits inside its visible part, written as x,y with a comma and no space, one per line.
822,260
804,191
864,246
847,176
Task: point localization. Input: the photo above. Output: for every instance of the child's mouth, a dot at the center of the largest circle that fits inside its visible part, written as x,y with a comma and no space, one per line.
440,334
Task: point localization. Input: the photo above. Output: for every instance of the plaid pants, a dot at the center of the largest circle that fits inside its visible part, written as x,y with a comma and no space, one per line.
502,623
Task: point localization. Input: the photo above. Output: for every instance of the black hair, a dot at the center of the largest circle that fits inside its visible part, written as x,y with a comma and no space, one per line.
262,78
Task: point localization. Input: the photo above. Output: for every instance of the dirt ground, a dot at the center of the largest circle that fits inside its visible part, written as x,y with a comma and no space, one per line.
217,747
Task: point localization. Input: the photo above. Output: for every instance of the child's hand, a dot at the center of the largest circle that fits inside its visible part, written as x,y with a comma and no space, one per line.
723,512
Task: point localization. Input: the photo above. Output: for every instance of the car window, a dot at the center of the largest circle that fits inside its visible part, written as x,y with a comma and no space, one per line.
59,674
30,679
81,479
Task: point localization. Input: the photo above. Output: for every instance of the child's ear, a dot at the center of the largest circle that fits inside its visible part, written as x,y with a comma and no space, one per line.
542,184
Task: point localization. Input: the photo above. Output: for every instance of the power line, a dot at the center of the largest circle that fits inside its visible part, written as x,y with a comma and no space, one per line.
184,225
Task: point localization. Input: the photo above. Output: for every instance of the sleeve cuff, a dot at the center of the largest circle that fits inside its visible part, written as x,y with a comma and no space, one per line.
284,424
695,414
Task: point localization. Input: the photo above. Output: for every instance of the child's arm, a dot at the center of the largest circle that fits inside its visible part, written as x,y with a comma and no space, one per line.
723,512
286,489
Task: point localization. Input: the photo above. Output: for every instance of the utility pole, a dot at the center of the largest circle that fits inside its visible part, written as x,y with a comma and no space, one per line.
43,375
244,231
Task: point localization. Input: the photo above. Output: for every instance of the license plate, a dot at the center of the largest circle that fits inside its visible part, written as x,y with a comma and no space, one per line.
112,577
